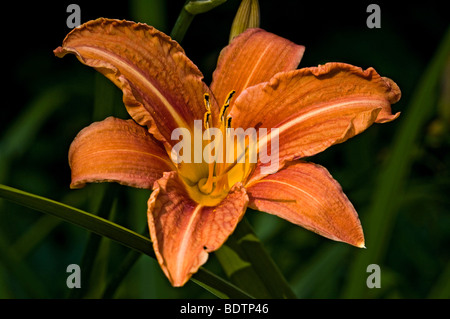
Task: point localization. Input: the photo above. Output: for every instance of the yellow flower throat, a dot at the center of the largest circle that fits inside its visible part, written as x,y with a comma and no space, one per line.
219,171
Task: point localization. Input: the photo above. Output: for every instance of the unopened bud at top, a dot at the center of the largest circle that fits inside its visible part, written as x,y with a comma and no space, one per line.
246,17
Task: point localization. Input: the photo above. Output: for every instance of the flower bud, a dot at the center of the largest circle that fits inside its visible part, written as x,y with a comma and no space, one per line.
201,6
246,17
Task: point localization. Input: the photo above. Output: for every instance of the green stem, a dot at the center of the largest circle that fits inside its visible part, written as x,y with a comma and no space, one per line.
190,9
182,25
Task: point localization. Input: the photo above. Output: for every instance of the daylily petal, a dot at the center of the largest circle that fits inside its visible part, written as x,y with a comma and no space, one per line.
162,88
314,108
251,58
307,195
116,150
184,232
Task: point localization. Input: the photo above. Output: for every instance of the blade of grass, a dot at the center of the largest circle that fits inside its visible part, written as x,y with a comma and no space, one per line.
113,284
380,219
240,271
120,234
34,236
93,243
13,143
5,291
30,283
220,288
79,217
249,266
318,270
441,289
128,262
22,131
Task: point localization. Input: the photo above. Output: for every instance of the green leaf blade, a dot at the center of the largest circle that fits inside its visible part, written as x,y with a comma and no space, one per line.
393,176
120,234
250,267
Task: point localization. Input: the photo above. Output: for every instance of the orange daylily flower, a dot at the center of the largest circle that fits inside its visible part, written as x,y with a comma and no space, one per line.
195,206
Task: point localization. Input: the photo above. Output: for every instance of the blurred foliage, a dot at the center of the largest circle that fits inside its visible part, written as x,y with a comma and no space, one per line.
397,175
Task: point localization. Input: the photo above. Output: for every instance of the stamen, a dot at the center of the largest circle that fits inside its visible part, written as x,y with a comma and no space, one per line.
206,184
216,183
229,166
229,122
207,117
225,123
206,120
230,95
226,105
207,103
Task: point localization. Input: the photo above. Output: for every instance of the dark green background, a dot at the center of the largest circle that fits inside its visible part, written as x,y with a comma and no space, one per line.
399,186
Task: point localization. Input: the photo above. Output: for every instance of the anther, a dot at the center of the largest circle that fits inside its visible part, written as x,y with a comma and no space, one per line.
229,122
226,105
230,95
207,103
207,117
206,120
